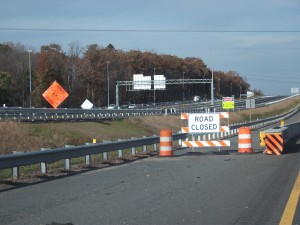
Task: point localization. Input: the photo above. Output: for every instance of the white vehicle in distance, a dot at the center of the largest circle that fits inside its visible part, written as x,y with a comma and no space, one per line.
112,106
132,106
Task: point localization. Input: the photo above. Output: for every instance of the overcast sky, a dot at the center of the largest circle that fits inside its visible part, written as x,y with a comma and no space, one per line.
259,39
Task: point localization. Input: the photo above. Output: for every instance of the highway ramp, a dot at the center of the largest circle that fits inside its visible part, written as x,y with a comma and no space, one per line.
193,187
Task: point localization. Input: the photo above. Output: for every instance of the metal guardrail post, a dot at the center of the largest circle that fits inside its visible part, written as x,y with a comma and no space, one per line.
88,158
68,161
67,164
16,169
104,154
133,151
144,146
43,165
120,151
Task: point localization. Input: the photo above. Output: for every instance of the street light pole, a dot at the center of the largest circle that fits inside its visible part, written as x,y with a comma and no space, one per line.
107,83
240,90
212,88
220,86
154,86
30,89
183,86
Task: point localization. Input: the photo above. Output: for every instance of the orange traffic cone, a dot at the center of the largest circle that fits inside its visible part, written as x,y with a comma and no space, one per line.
245,140
166,143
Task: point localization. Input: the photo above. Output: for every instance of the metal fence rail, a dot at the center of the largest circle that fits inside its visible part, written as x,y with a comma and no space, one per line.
77,114
52,155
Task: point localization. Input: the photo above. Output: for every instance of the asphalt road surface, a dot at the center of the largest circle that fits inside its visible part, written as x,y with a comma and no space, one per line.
200,186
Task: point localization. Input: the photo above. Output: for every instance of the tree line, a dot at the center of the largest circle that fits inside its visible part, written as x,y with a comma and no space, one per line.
86,72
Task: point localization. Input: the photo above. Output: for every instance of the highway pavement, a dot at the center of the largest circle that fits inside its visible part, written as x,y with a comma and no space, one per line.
200,186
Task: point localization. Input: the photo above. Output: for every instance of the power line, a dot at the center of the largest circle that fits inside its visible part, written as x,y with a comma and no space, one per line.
272,76
271,80
145,30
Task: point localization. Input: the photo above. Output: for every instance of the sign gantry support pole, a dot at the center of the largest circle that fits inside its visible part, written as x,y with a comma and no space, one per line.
212,87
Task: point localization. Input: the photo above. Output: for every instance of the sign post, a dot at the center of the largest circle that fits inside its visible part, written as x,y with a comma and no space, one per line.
250,104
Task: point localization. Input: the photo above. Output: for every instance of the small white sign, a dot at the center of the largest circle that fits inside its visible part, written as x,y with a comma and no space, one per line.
250,94
87,104
204,123
250,103
228,99
294,90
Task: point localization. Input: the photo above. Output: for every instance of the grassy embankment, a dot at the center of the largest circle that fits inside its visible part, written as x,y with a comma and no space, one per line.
16,136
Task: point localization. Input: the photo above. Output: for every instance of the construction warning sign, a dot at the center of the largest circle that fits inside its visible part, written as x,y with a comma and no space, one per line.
55,94
228,103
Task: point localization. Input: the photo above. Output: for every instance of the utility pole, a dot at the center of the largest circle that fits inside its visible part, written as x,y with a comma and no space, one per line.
107,83
212,88
30,88
183,86
154,87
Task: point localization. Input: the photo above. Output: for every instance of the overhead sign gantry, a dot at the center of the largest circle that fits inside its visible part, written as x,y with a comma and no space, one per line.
157,84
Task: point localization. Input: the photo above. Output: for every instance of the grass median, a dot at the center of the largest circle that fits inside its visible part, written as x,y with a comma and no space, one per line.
25,137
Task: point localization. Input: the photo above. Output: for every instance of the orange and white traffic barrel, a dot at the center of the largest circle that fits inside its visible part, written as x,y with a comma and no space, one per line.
245,140
166,143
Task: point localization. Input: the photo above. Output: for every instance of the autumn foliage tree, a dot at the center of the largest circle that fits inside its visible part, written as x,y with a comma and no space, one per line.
84,73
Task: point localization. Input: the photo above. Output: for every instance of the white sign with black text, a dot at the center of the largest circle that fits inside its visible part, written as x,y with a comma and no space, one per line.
204,123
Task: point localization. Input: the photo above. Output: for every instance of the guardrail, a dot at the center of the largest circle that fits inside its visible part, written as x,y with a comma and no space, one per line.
52,155
39,114
77,114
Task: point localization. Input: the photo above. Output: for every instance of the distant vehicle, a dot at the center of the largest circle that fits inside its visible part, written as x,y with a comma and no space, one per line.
132,106
112,106
196,98
124,106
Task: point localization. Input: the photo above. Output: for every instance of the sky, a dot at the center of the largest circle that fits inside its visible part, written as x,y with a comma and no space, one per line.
258,39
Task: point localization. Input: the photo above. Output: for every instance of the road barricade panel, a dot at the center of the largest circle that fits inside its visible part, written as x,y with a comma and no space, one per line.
198,144
275,139
274,143
202,122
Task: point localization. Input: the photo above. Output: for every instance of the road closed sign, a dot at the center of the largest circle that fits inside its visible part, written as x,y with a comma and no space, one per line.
204,123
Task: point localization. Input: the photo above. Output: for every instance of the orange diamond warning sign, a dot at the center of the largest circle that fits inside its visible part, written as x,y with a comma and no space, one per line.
55,94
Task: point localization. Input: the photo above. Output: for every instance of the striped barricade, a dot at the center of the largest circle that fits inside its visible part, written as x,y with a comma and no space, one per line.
199,144
222,129
274,143
223,115
275,139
